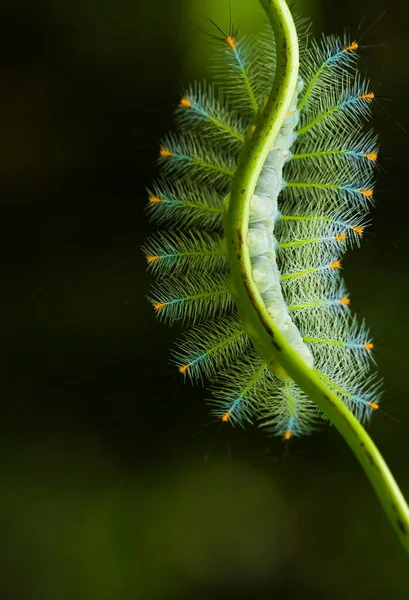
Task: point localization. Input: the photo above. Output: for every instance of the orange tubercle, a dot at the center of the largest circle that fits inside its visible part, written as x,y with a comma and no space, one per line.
368,346
345,301
230,42
372,156
159,305
265,99
336,264
186,102
165,153
341,237
287,435
152,259
367,193
352,47
183,368
226,417
369,96
358,230
374,405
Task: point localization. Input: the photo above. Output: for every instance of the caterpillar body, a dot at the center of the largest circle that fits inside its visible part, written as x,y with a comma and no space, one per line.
309,205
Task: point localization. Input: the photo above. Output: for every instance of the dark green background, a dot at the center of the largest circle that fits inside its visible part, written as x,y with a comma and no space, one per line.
115,483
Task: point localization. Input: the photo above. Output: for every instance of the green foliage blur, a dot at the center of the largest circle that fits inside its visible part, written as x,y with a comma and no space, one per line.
115,483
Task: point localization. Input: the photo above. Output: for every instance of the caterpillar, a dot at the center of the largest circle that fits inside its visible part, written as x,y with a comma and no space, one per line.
264,186
309,205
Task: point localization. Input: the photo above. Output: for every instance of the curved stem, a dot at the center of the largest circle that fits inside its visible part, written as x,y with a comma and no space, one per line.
257,323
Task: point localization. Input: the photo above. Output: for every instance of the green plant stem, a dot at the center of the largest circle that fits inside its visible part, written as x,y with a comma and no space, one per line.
265,335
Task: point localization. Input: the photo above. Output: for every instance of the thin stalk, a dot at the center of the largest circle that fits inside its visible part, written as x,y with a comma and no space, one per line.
258,324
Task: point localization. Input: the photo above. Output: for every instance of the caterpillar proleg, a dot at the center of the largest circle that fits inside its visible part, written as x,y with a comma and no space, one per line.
265,185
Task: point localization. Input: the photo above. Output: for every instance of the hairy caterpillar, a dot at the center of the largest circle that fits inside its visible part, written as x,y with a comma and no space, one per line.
321,169
267,182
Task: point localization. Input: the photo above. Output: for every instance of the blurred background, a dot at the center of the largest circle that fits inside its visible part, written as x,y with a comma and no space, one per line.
114,481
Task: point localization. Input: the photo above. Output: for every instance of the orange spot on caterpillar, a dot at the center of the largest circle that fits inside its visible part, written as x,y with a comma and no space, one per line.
165,153
345,301
374,405
230,41
186,102
369,96
154,200
358,230
367,193
372,156
159,305
226,417
352,47
290,114
183,368
368,346
336,264
287,435
152,259
341,237
265,99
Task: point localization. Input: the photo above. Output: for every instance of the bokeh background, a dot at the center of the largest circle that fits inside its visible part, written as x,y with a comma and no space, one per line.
114,481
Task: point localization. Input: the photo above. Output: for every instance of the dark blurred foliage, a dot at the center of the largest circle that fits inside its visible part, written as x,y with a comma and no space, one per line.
116,484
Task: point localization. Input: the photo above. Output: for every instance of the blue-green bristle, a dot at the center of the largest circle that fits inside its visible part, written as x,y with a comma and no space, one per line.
178,252
239,390
188,157
288,412
359,391
205,111
234,70
320,295
310,215
192,298
338,339
183,204
208,347
322,152
343,105
352,185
